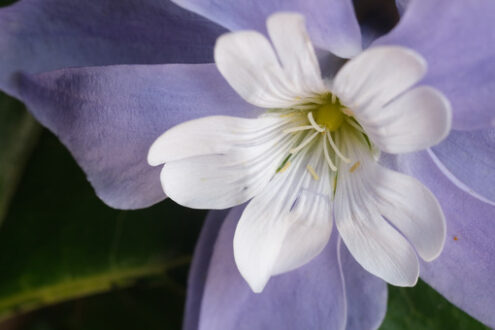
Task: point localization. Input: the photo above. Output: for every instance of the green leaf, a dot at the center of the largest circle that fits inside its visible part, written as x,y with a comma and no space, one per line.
421,307
143,306
60,242
18,134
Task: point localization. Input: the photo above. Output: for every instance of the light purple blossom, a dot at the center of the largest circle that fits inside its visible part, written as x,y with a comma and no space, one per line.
84,70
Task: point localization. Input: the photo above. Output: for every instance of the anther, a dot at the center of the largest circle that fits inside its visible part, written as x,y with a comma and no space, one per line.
289,114
316,100
354,166
312,171
348,112
285,167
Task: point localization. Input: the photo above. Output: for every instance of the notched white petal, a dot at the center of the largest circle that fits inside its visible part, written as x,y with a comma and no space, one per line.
295,50
377,76
208,135
416,120
373,242
411,208
219,162
212,181
287,225
249,64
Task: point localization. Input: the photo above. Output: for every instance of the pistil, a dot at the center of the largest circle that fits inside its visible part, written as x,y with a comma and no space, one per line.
330,116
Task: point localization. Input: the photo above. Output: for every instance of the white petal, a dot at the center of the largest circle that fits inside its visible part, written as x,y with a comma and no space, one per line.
249,64
377,76
373,242
416,120
411,208
295,50
288,224
211,135
219,162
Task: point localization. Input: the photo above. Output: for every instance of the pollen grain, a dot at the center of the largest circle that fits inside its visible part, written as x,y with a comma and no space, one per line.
312,171
354,166
285,167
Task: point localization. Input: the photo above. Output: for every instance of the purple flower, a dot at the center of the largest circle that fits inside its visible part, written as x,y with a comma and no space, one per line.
112,104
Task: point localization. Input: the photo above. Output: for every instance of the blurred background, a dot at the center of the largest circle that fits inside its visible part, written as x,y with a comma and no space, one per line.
68,261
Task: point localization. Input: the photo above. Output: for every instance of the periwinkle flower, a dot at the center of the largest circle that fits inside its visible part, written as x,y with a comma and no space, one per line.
108,105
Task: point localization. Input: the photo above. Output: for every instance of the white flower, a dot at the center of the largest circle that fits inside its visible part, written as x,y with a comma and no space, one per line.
311,157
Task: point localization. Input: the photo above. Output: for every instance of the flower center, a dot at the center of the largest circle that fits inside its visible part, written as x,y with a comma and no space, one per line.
330,116
325,115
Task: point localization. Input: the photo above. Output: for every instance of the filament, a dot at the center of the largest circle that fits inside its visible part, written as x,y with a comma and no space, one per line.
327,156
304,143
353,124
297,129
337,151
313,123
303,106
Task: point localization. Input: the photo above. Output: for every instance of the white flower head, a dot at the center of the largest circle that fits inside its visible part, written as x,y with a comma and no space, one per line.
311,158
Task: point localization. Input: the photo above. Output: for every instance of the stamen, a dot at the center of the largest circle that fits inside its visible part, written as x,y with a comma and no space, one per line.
290,114
313,122
297,129
348,112
304,143
312,171
317,100
303,106
356,126
285,167
354,166
337,151
327,156
334,98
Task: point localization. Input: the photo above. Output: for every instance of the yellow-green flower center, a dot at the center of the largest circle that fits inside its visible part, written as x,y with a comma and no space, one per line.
330,115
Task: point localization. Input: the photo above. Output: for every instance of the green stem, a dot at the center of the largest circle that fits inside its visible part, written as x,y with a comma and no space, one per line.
32,299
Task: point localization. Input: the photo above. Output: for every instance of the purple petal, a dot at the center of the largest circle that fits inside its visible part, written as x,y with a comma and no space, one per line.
311,297
43,35
401,5
457,38
200,265
366,295
332,24
109,116
468,159
465,270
